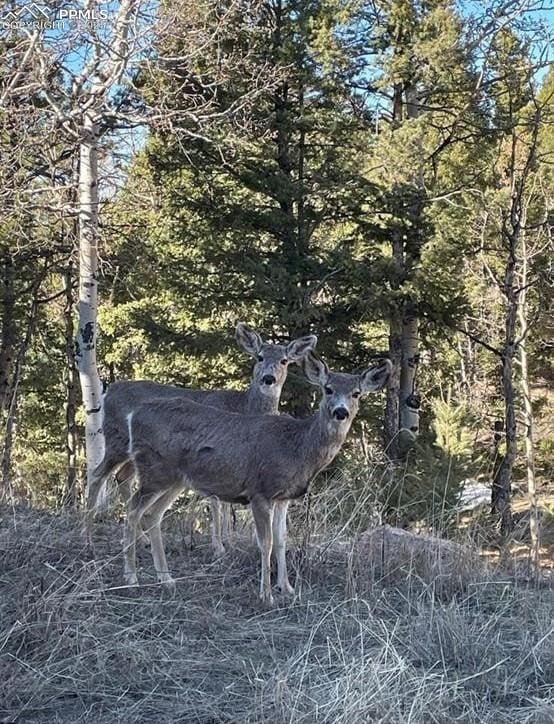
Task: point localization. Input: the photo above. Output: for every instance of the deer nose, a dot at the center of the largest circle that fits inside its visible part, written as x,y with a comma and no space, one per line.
340,413
268,380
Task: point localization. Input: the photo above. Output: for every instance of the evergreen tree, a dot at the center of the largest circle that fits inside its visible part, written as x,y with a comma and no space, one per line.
265,218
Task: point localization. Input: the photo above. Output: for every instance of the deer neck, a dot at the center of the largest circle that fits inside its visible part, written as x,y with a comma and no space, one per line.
325,439
258,403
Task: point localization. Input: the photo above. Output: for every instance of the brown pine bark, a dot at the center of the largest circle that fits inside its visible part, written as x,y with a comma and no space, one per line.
401,424
534,519
9,331
521,163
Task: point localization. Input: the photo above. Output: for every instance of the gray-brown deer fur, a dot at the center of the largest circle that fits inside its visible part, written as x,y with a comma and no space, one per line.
261,397
262,460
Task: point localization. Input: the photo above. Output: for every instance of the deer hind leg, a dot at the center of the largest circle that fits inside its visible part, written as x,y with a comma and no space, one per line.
226,522
138,505
280,545
152,521
98,478
216,523
124,479
262,510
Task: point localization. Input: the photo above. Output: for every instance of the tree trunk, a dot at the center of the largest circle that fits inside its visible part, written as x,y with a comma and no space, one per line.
501,488
6,492
293,233
9,332
534,521
70,491
402,406
391,423
7,354
85,343
11,396
409,400
392,406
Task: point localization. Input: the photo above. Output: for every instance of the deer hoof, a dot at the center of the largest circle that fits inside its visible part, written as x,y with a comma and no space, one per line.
286,589
131,579
267,598
169,584
86,533
219,551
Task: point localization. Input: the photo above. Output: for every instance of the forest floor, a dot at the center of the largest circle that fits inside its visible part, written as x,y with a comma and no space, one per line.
359,644
520,544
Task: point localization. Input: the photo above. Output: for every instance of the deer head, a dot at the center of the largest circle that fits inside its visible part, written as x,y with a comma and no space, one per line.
272,360
342,392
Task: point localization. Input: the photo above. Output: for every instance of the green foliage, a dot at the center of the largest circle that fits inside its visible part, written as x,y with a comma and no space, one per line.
545,457
332,202
452,435
427,489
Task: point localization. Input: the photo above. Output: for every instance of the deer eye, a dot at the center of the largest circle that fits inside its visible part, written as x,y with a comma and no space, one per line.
284,361
260,358
328,390
356,393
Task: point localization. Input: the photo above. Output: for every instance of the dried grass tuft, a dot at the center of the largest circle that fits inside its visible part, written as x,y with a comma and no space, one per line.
413,642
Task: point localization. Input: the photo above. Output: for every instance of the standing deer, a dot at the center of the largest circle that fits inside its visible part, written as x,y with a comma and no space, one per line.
261,397
265,461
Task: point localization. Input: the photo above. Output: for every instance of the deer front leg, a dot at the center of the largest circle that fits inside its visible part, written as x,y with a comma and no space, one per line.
138,505
152,522
280,545
217,543
129,541
262,510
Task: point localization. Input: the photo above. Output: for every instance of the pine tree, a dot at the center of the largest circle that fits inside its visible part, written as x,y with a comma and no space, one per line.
421,158
270,210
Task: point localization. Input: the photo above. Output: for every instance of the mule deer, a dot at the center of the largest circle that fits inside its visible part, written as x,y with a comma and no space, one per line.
261,397
265,461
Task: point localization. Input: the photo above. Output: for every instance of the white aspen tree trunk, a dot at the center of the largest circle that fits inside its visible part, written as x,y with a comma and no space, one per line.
392,406
409,401
391,422
534,521
85,343
70,492
104,72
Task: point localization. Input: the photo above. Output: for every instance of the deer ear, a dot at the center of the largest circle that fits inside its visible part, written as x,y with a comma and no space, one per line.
249,340
298,348
376,376
315,369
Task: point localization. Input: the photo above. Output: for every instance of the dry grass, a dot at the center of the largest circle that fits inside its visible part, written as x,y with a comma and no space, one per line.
359,645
